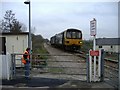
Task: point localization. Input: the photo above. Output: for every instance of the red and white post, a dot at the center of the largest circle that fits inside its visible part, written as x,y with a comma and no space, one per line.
94,52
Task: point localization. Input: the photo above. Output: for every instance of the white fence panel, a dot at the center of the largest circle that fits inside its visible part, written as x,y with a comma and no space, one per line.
5,64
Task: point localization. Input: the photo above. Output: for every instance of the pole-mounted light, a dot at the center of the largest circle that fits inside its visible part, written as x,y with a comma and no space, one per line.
29,38
27,2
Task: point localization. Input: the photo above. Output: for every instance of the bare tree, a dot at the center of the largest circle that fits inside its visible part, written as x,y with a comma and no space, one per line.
16,27
11,24
1,28
23,27
8,21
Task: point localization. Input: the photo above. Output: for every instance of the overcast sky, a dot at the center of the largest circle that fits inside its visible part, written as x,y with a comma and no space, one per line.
50,17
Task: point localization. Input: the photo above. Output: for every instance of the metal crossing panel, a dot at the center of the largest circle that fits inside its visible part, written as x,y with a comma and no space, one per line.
67,66
111,69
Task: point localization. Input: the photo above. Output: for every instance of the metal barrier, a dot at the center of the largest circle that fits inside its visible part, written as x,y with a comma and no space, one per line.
95,65
67,66
112,69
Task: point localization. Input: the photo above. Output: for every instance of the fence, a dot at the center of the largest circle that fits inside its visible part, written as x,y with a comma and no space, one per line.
6,66
95,65
112,69
52,66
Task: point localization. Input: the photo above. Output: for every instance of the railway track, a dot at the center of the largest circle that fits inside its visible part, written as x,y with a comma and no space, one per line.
111,70
110,67
83,55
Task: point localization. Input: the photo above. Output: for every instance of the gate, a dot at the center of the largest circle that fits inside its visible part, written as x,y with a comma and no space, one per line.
112,69
69,66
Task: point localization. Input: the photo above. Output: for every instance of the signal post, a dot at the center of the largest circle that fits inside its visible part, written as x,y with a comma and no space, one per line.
96,73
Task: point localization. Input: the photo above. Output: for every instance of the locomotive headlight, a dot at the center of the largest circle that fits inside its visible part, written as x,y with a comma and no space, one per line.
80,42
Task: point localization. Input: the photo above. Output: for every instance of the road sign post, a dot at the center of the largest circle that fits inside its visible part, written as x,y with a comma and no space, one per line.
93,33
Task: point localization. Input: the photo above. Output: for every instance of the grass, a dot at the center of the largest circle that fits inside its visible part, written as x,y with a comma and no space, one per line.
38,49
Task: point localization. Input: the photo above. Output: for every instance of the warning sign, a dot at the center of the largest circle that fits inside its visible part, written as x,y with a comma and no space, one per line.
94,53
93,27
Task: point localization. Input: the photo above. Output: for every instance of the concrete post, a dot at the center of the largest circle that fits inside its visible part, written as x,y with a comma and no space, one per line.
119,40
87,65
90,66
119,70
102,65
13,65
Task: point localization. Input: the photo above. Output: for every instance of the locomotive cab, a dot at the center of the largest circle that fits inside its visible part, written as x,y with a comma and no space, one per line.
73,39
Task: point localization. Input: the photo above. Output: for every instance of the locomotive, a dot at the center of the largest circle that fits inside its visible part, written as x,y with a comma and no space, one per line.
70,39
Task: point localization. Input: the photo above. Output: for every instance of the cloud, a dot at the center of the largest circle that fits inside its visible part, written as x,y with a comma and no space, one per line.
50,18
61,16
61,0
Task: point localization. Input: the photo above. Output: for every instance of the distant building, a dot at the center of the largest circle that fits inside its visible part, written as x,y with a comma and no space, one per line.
13,43
108,44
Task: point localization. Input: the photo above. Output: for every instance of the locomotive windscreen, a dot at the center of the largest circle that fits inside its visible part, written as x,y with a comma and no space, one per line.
73,34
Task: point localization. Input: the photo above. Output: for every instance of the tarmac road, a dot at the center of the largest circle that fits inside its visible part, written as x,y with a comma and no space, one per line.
36,83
